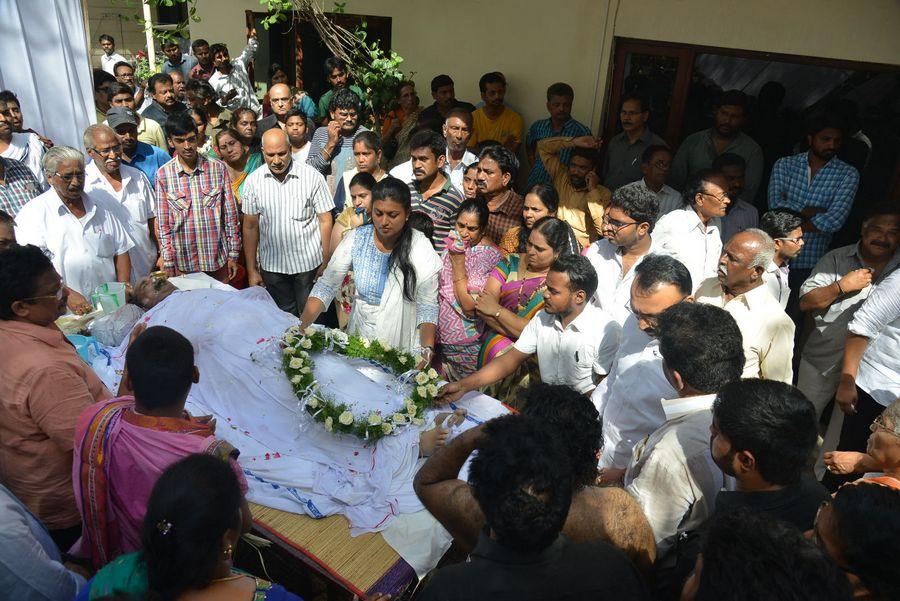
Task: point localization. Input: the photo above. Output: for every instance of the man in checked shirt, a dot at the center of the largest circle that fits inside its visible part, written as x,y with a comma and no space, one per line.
196,212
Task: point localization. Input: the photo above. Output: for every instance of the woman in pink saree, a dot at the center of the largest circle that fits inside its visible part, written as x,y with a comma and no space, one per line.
124,444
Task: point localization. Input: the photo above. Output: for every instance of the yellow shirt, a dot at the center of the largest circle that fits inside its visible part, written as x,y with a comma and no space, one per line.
151,132
581,209
508,125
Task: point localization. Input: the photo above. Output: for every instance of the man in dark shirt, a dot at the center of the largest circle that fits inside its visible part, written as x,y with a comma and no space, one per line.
165,103
522,482
444,100
763,435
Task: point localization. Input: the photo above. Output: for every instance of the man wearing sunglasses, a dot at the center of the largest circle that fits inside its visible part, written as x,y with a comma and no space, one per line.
86,241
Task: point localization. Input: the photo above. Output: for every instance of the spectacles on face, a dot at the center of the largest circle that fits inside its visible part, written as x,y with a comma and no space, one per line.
58,296
720,199
112,150
616,225
878,424
70,177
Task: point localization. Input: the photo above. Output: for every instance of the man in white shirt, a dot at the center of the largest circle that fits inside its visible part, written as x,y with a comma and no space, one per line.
19,146
287,224
869,372
128,194
110,57
457,131
783,226
655,163
628,399
739,289
575,342
691,234
672,474
87,243
627,223
231,80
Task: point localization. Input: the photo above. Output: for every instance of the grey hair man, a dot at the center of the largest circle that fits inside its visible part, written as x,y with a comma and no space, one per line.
740,289
88,244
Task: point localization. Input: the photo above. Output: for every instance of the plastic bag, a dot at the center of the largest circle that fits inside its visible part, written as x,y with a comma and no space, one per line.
112,328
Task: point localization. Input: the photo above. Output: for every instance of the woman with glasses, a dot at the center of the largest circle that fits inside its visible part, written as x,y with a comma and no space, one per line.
541,201
882,451
88,244
514,293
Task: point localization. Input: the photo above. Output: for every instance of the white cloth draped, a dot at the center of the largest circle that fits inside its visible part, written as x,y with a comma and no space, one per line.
46,64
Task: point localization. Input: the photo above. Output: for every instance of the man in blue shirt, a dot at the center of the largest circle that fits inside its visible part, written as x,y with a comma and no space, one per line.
176,61
560,124
137,154
819,186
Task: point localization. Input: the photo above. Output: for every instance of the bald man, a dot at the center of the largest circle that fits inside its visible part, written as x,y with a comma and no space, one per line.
739,288
287,223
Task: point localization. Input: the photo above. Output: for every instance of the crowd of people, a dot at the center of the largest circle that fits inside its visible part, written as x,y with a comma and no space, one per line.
706,395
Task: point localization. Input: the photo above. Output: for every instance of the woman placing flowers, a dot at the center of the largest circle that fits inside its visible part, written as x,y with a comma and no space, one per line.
396,298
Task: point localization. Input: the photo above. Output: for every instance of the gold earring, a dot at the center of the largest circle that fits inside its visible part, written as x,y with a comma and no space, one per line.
228,552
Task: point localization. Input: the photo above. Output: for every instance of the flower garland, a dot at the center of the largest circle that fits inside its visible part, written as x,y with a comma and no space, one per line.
298,365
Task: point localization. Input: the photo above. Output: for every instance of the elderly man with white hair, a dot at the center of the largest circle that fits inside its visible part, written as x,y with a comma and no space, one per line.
740,289
86,241
127,192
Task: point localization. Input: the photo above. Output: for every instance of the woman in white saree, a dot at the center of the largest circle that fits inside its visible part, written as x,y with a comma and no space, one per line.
395,269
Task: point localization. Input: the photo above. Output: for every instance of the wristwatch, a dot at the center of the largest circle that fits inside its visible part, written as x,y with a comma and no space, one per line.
497,314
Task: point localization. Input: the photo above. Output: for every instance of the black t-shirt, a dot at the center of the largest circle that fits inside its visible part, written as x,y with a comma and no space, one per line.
432,112
564,571
796,504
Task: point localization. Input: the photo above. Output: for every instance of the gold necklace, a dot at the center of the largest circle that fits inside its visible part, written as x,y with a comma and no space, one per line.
227,578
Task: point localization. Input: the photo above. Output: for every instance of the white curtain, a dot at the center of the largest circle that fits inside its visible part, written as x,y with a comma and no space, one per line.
44,60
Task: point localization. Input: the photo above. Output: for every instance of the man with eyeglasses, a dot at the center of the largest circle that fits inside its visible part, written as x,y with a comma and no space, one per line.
195,208
332,146
628,398
739,288
626,240
127,191
784,228
86,241
625,151
691,234
44,386
655,163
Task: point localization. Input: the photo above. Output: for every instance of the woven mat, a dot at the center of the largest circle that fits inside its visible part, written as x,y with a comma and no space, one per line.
356,563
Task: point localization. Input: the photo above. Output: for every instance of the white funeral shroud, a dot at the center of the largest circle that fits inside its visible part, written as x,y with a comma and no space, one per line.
301,469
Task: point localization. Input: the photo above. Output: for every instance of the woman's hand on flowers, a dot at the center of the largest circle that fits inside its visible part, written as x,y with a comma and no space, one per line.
449,393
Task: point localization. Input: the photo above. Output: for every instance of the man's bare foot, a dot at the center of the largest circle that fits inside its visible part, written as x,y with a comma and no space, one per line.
430,440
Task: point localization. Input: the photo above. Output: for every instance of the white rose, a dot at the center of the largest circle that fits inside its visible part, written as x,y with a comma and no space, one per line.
304,354
399,419
387,428
329,424
309,331
432,389
306,343
374,419
411,408
432,374
402,359
312,403
290,339
289,350
294,329
366,343
304,370
340,337
385,346
346,418
295,363
423,392
421,377
418,421
296,380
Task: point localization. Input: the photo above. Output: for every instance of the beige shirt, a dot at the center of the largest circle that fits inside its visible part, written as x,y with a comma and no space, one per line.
672,474
767,331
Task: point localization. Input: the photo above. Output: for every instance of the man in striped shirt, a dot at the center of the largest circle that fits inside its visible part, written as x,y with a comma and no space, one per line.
431,190
287,224
195,208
